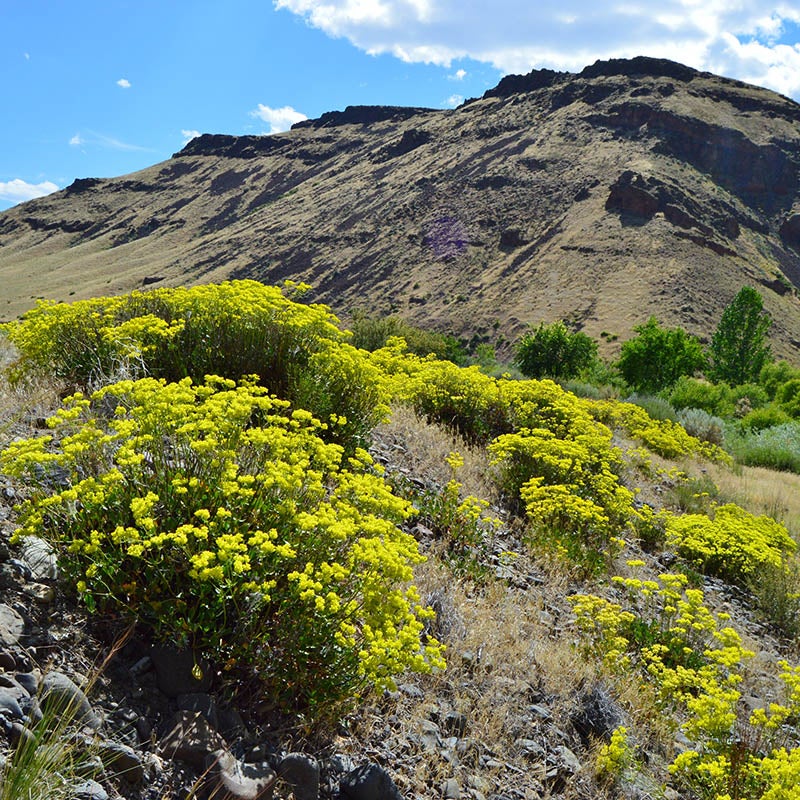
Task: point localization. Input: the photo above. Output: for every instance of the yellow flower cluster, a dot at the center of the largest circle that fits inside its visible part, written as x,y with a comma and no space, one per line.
218,515
233,329
695,663
667,438
734,544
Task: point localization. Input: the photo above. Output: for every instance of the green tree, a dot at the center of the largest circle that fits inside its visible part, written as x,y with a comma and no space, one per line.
553,351
656,357
739,348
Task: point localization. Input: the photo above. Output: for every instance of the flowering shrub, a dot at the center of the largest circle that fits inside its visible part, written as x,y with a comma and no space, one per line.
667,438
220,518
463,524
734,544
695,664
616,756
230,329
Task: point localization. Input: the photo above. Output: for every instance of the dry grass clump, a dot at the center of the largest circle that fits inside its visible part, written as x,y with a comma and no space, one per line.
762,491
22,405
419,448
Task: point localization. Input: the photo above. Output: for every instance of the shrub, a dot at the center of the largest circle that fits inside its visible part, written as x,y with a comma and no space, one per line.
788,397
761,418
372,333
656,357
219,518
773,375
667,635
664,437
777,447
569,487
656,407
552,351
714,398
702,425
231,329
734,544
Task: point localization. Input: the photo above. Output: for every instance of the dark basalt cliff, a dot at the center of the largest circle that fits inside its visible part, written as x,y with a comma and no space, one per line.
635,187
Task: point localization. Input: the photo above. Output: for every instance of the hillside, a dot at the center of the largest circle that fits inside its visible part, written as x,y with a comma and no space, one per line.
632,188
209,588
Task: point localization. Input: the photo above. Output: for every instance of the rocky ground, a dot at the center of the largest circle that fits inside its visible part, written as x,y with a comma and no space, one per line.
516,716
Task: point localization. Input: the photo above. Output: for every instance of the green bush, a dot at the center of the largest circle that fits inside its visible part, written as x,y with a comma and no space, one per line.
774,374
715,398
231,329
372,333
761,418
788,397
774,448
552,351
218,517
656,357
656,407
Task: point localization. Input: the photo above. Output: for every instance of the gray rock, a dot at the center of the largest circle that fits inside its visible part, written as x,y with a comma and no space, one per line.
455,724
597,715
239,781
40,557
369,782
301,772
58,693
12,626
13,699
122,761
202,703
28,681
89,790
451,790
40,592
190,739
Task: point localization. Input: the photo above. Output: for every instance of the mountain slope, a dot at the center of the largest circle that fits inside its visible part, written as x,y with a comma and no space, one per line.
636,187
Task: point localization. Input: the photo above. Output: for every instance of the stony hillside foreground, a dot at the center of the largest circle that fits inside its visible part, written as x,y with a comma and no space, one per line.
597,608
632,188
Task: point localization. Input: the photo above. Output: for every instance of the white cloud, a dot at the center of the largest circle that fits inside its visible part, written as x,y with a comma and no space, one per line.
278,119
93,138
458,75
740,39
189,135
124,83
454,100
17,190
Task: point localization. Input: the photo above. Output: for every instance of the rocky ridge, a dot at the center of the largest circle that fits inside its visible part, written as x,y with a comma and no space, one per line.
632,188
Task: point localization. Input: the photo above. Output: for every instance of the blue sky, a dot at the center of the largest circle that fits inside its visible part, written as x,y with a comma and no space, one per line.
99,88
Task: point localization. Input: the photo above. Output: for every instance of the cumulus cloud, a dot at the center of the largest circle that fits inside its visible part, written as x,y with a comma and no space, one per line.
124,83
17,190
278,119
189,135
458,75
739,39
454,100
76,140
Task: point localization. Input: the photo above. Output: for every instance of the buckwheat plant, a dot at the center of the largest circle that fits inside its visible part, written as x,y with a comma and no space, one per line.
216,515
